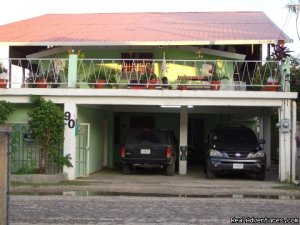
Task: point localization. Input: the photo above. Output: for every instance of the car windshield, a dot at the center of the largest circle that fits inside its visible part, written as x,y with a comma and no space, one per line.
151,136
234,135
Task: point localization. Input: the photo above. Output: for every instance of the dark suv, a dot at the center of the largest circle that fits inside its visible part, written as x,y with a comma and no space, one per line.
234,148
149,147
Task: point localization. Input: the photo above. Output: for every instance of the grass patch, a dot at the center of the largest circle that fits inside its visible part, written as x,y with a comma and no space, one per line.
288,186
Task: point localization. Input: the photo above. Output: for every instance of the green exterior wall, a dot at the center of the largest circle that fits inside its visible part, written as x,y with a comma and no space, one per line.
95,118
20,114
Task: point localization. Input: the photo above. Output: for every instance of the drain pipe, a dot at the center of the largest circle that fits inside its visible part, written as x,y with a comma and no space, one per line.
294,146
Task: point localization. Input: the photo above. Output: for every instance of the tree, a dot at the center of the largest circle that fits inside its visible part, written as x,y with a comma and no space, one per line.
6,108
295,8
47,127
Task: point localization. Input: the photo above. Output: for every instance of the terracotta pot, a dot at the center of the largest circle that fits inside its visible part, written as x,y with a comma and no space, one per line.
41,83
137,87
215,85
270,86
3,83
100,83
152,84
182,87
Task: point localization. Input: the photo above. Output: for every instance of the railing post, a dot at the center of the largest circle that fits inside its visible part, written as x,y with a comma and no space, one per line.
72,70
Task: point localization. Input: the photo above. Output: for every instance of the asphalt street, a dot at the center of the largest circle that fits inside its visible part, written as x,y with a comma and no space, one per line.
79,210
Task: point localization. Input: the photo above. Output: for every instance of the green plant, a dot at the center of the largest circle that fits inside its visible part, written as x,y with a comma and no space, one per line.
47,126
183,79
32,79
93,77
216,76
53,78
6,108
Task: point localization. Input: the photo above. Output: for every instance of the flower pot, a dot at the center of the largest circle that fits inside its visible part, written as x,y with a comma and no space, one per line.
3,83
100,83
41,83
215,85
271,86
137,87
182,87
152,84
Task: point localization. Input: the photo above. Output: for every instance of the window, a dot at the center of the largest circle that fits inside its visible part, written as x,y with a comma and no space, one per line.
139,63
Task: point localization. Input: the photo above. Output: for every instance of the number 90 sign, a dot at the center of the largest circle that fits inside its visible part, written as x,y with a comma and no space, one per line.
71,123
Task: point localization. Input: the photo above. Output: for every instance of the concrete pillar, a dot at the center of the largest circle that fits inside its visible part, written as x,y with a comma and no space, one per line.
183,137
285,143
70,140
293,140
5,136
3,179
265,133
72,70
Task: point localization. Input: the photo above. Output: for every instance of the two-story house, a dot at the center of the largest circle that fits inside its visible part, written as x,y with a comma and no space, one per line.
182,71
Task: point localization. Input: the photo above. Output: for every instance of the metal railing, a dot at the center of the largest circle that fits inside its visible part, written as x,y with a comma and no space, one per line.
147,73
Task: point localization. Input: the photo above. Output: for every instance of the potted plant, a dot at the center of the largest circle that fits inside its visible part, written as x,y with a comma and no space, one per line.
36,81
3,76
182,82
97,79
215,81
152,80
165,83
53,79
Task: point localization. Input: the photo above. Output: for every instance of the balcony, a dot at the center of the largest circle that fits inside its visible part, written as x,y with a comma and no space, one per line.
155,74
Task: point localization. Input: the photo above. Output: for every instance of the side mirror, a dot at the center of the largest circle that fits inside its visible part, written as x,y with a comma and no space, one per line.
262,141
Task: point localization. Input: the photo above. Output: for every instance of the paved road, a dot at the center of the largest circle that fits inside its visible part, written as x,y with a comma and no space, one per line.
144,210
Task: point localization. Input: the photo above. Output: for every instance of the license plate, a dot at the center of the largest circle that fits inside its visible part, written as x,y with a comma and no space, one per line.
145,151
238,166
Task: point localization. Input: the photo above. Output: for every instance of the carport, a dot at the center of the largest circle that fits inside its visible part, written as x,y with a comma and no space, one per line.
222,106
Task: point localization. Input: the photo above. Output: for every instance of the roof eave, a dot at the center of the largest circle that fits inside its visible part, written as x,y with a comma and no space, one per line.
144,43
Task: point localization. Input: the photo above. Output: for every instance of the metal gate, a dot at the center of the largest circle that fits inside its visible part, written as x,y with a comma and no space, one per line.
25,152
82,150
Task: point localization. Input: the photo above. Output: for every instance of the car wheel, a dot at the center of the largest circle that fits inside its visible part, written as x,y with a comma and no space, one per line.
171,169
210,174
260,176
126,169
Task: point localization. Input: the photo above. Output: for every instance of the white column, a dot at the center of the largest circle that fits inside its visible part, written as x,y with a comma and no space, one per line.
183,140
267,137
285,143
70,140
72,70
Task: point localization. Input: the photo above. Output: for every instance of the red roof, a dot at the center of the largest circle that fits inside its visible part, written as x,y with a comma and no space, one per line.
190,28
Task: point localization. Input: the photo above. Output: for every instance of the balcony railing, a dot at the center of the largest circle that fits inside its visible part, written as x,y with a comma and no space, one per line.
146,74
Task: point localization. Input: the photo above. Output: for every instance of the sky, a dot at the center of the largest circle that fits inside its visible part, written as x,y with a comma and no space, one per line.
15,10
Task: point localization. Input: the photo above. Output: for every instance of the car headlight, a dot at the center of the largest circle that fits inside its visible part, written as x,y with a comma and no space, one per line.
215,153
259,154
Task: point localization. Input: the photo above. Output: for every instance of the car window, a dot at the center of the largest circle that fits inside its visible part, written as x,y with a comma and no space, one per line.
234,135
151,136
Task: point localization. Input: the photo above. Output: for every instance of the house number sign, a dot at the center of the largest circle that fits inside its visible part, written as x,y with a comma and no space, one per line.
71,122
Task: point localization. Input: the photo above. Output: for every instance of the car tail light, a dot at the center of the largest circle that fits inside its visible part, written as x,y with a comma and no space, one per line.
123,151
168,152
